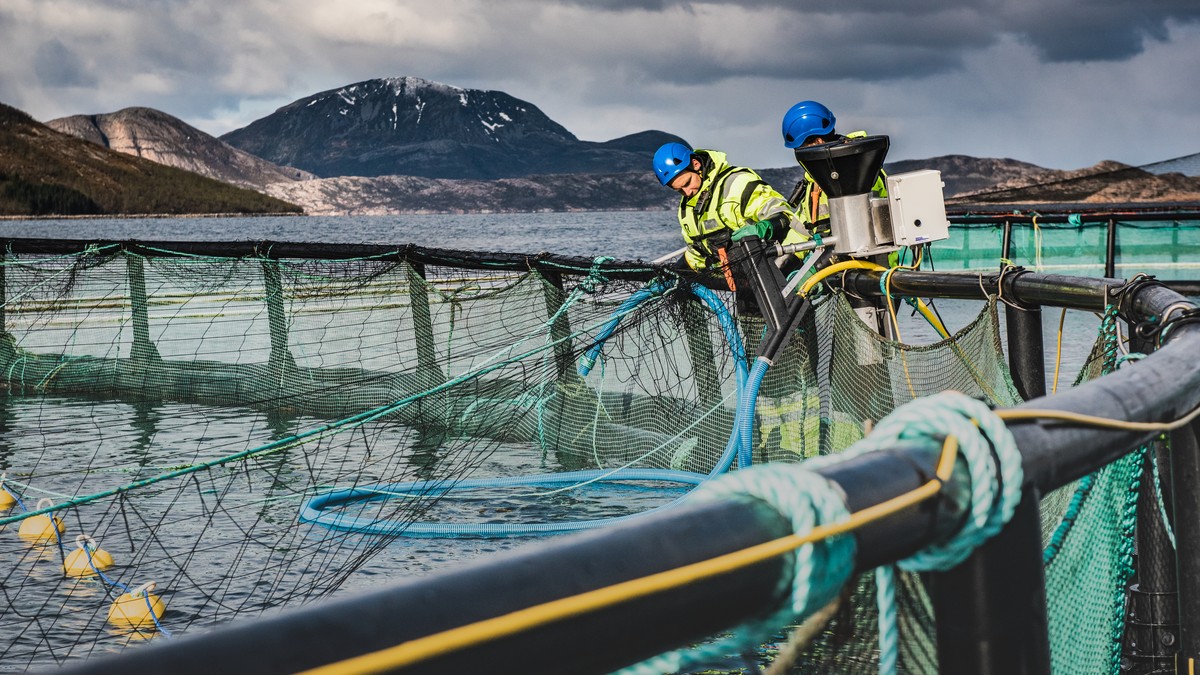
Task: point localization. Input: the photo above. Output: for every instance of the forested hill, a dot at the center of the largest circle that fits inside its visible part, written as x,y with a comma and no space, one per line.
44,172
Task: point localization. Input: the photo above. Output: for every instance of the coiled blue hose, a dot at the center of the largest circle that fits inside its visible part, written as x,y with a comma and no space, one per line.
739,445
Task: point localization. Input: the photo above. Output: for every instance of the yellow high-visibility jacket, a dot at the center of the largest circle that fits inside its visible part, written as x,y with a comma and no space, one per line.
729,197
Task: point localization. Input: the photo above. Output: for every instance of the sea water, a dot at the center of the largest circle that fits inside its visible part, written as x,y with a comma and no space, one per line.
628,235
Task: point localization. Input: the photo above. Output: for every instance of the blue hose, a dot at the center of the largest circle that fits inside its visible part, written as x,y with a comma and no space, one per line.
739,445
745,417
650,290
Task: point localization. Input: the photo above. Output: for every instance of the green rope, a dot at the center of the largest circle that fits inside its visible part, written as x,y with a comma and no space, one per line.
991,456
819,569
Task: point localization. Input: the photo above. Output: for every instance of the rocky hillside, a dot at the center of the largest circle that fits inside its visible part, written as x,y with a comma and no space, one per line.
964,174
1106,182
44,172
154,135
386,195
413,127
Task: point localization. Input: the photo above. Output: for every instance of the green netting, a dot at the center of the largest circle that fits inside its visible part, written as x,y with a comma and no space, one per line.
1088,532
182,410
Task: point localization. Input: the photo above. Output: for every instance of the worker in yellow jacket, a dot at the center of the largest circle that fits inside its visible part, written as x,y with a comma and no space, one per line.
811,123
720,202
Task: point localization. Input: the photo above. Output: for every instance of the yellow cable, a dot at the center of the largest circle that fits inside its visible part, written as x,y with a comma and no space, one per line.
820,275
1094,421
932,319
887,292
1058,352
431,646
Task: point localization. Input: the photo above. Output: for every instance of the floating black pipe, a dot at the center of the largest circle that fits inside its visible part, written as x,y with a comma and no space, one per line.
613,637
516,262
1073,214
1110,249
991,608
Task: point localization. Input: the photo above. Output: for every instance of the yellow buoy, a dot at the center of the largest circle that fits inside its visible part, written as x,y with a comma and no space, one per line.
138,608
43,527
77,563
7,500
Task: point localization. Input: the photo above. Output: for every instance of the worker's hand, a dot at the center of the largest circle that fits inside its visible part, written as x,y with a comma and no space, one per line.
761,229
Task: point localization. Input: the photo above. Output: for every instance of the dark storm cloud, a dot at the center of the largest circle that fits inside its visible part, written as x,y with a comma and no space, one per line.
860,46
1096,30
928,30
56,65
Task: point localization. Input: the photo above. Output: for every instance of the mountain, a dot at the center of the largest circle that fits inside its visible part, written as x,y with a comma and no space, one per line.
154,135
413,127
963,174
44,172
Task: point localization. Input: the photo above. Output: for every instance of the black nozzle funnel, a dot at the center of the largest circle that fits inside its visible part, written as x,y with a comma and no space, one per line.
846,167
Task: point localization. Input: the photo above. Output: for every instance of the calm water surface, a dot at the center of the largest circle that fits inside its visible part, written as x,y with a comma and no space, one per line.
624,234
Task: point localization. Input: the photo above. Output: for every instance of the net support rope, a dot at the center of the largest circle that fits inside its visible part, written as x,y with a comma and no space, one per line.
807,499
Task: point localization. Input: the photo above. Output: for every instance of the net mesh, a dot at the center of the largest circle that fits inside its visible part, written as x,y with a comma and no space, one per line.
181,411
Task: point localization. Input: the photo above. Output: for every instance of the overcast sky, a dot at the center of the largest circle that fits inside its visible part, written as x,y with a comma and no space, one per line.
1059,83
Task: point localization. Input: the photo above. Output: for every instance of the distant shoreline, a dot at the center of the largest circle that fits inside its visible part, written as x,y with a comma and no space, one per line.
422,212
134,216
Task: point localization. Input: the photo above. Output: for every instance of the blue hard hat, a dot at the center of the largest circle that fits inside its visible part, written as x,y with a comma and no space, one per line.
804,120
670,160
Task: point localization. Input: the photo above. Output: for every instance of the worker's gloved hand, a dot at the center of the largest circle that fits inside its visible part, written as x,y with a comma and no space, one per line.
761,229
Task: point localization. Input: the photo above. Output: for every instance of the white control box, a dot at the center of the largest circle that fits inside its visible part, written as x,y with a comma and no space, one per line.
918,207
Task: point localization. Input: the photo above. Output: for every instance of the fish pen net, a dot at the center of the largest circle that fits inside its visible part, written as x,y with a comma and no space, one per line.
247,431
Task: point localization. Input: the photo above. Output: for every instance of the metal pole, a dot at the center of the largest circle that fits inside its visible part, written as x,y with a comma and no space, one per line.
1185,476
991,609
3,294
1026,352
1006,244
422,321
1110,250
